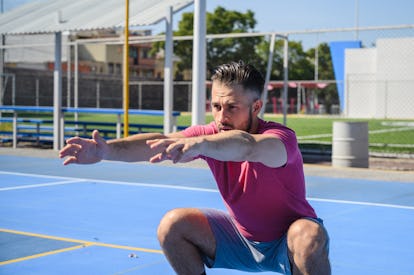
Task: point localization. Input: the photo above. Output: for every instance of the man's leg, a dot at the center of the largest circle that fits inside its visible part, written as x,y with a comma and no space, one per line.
307,245
184,233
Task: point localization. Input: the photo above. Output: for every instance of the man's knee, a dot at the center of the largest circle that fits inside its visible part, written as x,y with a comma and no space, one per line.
307,239
169,224
182,223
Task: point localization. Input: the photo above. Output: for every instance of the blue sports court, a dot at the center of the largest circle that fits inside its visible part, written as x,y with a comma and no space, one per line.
102,219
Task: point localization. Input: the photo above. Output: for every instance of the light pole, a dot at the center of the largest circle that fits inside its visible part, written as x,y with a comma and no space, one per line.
356,19
2,43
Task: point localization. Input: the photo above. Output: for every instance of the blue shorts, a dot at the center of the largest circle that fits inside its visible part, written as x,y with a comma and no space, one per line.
234,251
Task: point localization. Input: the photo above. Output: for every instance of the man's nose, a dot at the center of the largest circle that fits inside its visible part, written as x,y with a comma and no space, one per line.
223,115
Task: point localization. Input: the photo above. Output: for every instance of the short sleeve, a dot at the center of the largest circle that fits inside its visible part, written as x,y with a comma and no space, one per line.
286,135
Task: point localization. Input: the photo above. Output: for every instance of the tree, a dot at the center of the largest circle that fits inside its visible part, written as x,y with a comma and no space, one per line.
299,66
329,95
254,50
223,50
325,69
231,49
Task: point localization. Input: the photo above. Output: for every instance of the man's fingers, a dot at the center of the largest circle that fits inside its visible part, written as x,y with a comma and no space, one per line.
70,160
70,150
154,143
97,137
157,158
177,157
175,147
73,140
151,141
172,150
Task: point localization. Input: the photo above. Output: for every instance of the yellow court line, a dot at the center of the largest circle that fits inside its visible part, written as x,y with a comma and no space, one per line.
81,242
128,247
43,254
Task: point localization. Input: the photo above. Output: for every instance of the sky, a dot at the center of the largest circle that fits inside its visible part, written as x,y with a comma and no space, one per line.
293,15
299,15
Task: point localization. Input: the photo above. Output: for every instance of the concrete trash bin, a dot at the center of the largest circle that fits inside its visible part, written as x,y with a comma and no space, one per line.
350,144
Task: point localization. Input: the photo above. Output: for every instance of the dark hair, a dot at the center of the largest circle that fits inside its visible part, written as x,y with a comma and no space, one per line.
239,73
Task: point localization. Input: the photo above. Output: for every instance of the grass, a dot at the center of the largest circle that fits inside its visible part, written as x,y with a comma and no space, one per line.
383,137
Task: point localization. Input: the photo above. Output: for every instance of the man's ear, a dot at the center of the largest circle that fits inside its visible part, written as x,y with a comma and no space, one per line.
257,106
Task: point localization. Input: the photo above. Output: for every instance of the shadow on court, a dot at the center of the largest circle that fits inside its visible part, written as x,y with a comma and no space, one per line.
102,219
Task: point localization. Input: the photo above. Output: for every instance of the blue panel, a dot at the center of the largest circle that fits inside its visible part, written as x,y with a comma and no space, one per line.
338,62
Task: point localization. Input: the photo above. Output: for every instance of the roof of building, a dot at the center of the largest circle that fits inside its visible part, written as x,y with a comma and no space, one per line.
53,16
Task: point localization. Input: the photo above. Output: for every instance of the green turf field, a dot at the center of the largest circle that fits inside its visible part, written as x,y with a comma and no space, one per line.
385,135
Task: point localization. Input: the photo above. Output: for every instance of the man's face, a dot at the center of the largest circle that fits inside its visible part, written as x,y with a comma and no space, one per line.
233,109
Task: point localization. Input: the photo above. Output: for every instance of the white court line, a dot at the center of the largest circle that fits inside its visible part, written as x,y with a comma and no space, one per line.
363,203
391,130
179,187
40,185
32,175
167,186
140,184
380,131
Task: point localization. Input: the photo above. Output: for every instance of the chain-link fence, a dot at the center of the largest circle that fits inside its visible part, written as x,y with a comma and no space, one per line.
378,84
378,87
378,76
384,64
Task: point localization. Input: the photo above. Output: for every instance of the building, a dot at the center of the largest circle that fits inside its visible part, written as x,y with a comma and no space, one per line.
37,52
379,82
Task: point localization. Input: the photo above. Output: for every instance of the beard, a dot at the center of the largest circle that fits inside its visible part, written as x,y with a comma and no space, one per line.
228,126
224,127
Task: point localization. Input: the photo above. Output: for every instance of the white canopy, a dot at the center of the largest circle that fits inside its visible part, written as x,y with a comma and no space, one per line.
57,16
53,16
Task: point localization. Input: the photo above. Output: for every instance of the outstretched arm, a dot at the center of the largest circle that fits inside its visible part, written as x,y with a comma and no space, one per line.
234,145
132,148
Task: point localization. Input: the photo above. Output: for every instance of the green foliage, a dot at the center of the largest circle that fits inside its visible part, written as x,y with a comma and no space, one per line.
254,50
300,68
329,95
231,49
219,51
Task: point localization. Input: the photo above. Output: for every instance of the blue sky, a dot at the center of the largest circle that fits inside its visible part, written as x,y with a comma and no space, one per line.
282,15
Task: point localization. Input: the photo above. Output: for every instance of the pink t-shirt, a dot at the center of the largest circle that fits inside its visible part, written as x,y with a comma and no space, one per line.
263,201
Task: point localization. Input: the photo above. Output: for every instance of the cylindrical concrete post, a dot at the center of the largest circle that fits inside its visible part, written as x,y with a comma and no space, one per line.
350,144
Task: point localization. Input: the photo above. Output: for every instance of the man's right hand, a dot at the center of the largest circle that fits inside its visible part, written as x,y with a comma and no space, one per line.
84,151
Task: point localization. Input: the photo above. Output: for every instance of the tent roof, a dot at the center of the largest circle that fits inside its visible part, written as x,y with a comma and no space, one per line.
52,16
303,83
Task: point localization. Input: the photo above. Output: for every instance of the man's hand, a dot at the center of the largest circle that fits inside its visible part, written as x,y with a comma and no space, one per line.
233,145
84,151
175,149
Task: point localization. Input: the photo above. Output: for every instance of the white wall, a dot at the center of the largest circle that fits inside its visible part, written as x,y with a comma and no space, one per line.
360,82
396,70
379,82
37,48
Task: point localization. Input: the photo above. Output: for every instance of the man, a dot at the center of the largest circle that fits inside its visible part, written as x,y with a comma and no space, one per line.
259,172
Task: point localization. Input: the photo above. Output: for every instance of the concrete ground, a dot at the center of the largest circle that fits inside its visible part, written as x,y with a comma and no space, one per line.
385,169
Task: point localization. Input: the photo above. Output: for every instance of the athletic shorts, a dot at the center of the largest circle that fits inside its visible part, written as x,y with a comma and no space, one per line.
234,251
